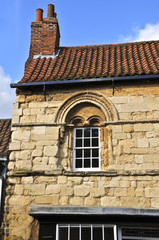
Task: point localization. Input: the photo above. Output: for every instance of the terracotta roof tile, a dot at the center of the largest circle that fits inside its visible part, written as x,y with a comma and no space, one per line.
5,134
127,59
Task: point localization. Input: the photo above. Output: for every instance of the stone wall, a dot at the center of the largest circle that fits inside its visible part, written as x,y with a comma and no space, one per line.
40,167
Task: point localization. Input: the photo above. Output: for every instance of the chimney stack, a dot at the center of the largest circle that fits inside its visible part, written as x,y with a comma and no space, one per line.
39,14
50,12
45,34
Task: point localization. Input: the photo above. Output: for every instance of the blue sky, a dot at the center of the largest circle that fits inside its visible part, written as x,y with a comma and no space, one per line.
82,22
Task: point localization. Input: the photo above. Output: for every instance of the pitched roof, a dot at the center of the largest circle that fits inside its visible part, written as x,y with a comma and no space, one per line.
98,61
5,134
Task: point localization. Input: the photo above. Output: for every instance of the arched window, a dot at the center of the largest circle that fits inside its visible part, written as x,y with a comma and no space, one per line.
84,137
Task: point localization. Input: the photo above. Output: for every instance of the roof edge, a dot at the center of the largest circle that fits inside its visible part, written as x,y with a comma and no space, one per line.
92,80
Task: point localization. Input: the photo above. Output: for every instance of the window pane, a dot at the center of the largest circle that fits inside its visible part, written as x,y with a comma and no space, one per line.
78,163
78,153
108,233
95,152
78,142
74,233
86,153
87,132
95,163
87,163
86,233
97,233
86,142
94,132
78,132
94,142
63,233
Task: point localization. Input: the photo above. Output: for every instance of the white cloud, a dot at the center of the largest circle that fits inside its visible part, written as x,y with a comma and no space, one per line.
150,32
7,95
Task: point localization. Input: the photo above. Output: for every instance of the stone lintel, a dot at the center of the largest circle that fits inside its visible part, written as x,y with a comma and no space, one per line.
43,211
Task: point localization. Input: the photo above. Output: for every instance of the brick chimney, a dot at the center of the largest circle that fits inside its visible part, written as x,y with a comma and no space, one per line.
45,34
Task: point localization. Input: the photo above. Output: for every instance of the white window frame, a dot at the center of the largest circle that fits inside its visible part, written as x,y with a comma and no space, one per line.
74,151
86,225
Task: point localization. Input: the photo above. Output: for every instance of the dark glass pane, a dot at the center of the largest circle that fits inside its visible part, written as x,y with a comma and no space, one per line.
47,231
78,132
74,233
95,132
87,132
86,233
86,142
78,153
78,163
108,233
95,152
94,142
97,233
95,163
86,153
63,233
78,142
87,163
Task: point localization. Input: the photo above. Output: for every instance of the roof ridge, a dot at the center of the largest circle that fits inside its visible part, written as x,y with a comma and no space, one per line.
109,44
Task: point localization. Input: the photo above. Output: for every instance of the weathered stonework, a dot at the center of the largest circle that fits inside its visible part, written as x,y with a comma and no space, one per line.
40,168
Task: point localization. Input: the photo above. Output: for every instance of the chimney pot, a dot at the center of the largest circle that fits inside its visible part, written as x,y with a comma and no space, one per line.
55,15
39,14
50,13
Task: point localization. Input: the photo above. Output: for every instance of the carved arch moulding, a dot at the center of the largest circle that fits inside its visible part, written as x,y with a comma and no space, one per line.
97,99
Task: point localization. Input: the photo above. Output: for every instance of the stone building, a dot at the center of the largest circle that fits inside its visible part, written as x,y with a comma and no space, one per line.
5,133
84,154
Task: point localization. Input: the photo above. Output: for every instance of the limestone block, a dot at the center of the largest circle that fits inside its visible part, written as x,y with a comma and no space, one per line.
65,191
21,135
43,199
76,201
53,160
152,192
25,154
27,112
37,189
39,130
155,203
81,191
13,146
19,200
52,189
121,192
142,143
27,145
17,112
20,98
41,167
28,119
117,128
62,179
24,165
50,151
55,200
139,159
97,192
11,166
118,136
124,184
154,142
18,189
110,202
75,180
15,119
37,153
90,202
38,104
64,200
27,180
131,202
128,128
